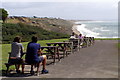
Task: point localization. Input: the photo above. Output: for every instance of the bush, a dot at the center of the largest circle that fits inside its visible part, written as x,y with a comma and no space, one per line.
9,31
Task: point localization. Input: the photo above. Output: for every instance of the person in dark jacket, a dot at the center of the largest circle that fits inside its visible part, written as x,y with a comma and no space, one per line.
34,56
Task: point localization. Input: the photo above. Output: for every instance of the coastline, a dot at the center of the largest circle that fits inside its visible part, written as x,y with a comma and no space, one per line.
97,29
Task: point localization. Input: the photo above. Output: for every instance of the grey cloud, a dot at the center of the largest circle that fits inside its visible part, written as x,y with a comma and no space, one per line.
66,10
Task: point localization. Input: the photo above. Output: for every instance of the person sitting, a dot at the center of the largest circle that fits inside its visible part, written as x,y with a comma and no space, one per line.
16,54
34,56
81,40
73,36
80,36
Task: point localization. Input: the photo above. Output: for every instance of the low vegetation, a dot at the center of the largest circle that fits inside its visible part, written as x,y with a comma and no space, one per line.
10,30
50,24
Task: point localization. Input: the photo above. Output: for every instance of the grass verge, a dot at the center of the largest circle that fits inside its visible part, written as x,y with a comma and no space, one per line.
119,45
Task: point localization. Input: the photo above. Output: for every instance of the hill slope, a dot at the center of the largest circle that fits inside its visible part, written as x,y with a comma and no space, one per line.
44,28
10,30
50,24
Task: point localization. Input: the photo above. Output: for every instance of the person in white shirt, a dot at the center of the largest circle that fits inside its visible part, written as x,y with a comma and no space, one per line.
73,36
16,54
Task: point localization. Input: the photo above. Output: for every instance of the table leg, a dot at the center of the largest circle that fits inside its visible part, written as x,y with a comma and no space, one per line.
54,55
58,54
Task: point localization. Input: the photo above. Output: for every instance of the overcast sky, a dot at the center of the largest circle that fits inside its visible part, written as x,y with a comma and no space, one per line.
82,10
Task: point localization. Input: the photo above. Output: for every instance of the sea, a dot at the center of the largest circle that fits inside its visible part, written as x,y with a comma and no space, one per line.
98,29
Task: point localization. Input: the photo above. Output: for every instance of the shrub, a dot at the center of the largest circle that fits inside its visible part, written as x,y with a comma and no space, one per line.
9,31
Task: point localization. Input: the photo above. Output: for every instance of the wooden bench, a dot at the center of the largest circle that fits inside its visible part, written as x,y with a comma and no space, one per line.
75,43
10,64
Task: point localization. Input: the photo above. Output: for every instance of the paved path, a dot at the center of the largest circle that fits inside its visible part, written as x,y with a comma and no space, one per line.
97,61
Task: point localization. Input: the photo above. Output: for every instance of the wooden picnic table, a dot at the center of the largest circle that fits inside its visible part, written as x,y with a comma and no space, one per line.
88,41
85,42
52,50
62,46
76,43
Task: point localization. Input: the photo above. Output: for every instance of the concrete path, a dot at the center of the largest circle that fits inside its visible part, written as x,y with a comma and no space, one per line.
97,61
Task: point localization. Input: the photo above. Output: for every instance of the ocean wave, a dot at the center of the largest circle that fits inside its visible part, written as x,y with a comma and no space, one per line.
83,30
98,29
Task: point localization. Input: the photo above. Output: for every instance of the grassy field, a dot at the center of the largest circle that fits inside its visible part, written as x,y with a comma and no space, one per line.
7,48
1,21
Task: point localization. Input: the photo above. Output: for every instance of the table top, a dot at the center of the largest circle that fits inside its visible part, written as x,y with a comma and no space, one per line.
48,46
59,43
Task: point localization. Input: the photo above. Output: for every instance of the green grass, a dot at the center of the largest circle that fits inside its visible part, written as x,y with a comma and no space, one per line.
118,45
1,21
7,48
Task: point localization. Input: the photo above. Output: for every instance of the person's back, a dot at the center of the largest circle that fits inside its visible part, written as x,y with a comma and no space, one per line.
16,49
32,52
16,54
73,36
34,56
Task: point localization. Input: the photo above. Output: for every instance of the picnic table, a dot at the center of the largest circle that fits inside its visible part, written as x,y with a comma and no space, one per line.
52,50
85,42
62,46
76,43
88,41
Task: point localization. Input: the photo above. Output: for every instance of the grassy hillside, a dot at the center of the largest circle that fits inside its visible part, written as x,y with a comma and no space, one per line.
56,25
10,30
49,24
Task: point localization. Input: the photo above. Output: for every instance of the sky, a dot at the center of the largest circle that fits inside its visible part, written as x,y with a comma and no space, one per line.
65,9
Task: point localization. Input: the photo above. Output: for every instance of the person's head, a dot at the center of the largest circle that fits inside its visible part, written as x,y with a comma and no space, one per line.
80,34
17,39
73,34
34,39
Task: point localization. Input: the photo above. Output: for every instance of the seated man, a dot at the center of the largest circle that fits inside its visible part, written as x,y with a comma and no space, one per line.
16,54
35,57
81,39
80,36
73,36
